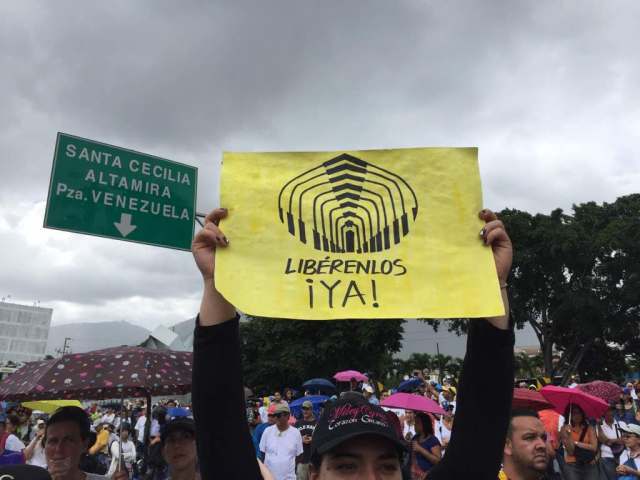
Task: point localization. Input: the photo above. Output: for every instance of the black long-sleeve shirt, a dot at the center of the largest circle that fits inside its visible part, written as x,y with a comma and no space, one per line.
483,406
225,449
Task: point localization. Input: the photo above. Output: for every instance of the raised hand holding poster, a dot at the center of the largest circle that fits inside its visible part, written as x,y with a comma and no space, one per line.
356,234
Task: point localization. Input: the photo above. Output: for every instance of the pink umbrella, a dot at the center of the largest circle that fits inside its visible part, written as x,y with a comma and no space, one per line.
410,401
347,375
560,397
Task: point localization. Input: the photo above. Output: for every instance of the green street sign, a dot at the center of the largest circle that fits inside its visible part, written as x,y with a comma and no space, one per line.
114,192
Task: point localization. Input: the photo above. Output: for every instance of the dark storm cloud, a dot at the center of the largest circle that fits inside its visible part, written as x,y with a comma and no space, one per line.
547,90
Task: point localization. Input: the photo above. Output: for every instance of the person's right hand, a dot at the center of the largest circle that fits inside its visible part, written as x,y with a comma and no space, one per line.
495,235
206,241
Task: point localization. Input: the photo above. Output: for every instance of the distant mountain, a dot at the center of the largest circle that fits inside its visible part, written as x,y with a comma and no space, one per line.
94,336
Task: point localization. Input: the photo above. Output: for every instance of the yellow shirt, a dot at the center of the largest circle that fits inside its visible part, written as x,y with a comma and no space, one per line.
101,442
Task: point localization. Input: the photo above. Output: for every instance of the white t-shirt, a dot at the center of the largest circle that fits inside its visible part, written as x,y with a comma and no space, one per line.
280,451
408,431
142,419
14,443
443,434
609,432
108,418
625,456
128,456
264,414
38,459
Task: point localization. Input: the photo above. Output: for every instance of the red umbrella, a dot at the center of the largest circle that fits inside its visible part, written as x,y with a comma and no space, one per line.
530,399
561,397
109,373
410,401
607,391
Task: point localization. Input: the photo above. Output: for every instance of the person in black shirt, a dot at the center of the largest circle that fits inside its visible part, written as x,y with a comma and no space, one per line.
225,449
306,425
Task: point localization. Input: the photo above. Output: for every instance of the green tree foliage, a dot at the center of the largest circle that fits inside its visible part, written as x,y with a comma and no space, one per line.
280,353
447,366
527,366
576,282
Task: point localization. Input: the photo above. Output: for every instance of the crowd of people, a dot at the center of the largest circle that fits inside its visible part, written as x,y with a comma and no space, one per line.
349,436
95,443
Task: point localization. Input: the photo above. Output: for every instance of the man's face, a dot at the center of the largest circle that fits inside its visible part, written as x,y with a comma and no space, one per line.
64,444
526,449
631,441
365,457
307,412
277,397
282,420
179,450
608,416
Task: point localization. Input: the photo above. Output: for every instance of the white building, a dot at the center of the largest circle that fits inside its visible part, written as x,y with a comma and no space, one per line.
24,332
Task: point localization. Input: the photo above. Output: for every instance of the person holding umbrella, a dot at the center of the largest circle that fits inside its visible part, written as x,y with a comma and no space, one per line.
426,450
122,451
580,444
367,445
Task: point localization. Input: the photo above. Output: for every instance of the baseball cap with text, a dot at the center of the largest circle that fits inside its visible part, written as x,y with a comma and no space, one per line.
348,418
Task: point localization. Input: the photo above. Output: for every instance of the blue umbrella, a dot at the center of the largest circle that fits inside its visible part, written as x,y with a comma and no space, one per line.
409,385
316,400
319,385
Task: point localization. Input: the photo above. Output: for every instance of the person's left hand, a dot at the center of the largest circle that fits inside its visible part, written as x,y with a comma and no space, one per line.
495,235
623,469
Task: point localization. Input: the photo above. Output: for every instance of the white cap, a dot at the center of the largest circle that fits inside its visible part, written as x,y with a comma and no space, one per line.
367,388
630,428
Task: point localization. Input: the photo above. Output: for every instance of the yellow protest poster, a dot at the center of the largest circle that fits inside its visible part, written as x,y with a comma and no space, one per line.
356,234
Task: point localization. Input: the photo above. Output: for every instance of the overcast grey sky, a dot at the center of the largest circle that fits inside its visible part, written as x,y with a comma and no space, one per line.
548,90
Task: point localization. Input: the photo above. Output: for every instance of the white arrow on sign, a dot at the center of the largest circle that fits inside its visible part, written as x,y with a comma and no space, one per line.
124,226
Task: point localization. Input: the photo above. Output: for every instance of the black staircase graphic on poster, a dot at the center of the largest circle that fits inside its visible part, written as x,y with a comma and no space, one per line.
348,205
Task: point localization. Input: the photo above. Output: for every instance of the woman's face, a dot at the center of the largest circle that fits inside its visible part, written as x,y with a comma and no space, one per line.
577,416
